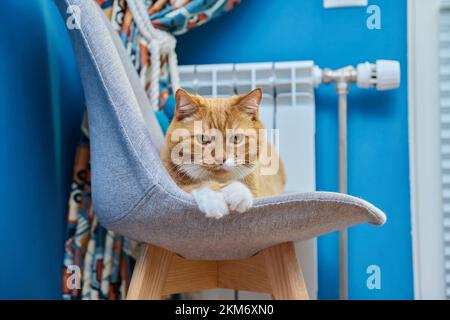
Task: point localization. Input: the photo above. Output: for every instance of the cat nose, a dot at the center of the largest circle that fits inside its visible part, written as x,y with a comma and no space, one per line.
228,164
221,160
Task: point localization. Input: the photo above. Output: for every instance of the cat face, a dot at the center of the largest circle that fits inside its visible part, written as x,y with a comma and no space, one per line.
215,138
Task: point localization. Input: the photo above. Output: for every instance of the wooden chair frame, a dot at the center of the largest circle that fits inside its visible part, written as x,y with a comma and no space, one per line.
275,270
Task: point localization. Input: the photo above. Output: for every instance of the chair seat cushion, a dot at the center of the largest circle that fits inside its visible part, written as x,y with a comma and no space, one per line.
174,223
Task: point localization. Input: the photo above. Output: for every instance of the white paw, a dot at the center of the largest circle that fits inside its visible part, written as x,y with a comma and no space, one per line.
210,202
238,197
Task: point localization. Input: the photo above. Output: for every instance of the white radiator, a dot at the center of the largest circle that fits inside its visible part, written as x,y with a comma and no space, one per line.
289,106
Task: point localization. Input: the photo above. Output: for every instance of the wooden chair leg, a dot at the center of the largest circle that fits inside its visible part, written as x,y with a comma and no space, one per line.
285,277
150,273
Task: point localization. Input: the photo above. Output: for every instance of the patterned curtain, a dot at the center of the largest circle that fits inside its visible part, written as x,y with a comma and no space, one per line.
98,263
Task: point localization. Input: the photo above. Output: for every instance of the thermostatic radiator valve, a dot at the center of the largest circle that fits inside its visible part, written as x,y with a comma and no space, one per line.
381,75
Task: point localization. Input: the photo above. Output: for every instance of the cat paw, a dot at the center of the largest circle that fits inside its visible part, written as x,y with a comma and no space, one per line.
211,203
238,197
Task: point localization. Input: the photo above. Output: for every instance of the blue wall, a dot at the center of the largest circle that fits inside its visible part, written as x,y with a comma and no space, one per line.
41,105
378,143
41,100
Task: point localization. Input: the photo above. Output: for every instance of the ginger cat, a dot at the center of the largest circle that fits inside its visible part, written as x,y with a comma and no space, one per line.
216,150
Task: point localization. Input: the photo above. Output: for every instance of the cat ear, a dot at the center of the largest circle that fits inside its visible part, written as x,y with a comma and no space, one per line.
185,107
250,102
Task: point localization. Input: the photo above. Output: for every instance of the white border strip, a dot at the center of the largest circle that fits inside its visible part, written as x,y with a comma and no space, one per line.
424,148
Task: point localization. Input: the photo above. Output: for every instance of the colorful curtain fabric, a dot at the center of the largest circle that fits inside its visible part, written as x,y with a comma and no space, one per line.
98,263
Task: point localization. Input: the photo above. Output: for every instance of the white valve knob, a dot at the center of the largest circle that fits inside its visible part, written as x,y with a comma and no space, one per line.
383,75
388,74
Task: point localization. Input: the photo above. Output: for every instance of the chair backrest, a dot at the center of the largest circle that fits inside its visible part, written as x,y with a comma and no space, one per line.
124,133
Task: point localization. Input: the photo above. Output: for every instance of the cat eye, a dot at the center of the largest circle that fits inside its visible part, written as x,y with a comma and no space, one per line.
203,139
237,138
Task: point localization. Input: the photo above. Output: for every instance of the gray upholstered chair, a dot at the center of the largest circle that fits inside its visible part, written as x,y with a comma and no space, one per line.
134,196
